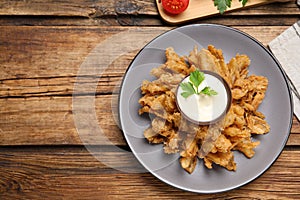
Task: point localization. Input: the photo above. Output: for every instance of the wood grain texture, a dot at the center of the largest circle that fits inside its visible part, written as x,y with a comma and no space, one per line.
42,46
146,20
97,9
39,68
129,13
83,8
31,52
44,61
74,173
51,121
204,8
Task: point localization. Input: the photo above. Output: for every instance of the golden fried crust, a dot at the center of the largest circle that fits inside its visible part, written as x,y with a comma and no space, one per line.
175,63
223,159
214,144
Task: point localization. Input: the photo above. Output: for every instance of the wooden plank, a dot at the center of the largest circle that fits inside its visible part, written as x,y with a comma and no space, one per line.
44,61
128,13
47,59
257,21
204,8
83,8
59,51
288,8
147,20
54,173
97,9
51,121
41,61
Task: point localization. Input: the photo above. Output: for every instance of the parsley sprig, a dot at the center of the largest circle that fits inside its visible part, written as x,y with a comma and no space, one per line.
222,5
192,87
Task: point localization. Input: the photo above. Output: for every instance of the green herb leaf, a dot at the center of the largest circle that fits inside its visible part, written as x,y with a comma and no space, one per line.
188,89
196,78
222,5
243,2
208,91
191,87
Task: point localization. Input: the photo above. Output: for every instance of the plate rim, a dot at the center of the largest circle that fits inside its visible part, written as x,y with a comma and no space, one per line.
286,83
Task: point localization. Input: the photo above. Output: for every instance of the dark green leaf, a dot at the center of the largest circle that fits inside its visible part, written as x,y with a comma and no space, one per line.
188,89
186,94
208,91
222,5
243,2
196,78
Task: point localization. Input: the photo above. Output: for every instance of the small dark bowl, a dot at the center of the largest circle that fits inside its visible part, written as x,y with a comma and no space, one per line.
229,100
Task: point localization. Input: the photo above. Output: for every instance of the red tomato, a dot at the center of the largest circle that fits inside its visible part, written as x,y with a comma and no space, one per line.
175,6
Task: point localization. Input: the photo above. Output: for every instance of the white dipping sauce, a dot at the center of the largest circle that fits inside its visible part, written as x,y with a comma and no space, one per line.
204,108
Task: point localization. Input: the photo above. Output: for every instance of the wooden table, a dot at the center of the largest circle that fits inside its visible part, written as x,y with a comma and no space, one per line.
42,46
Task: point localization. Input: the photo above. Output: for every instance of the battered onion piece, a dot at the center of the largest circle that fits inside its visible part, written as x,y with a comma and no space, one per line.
188,154
215,143
223,159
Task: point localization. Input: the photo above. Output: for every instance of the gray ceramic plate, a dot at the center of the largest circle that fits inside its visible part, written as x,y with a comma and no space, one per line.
277,107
